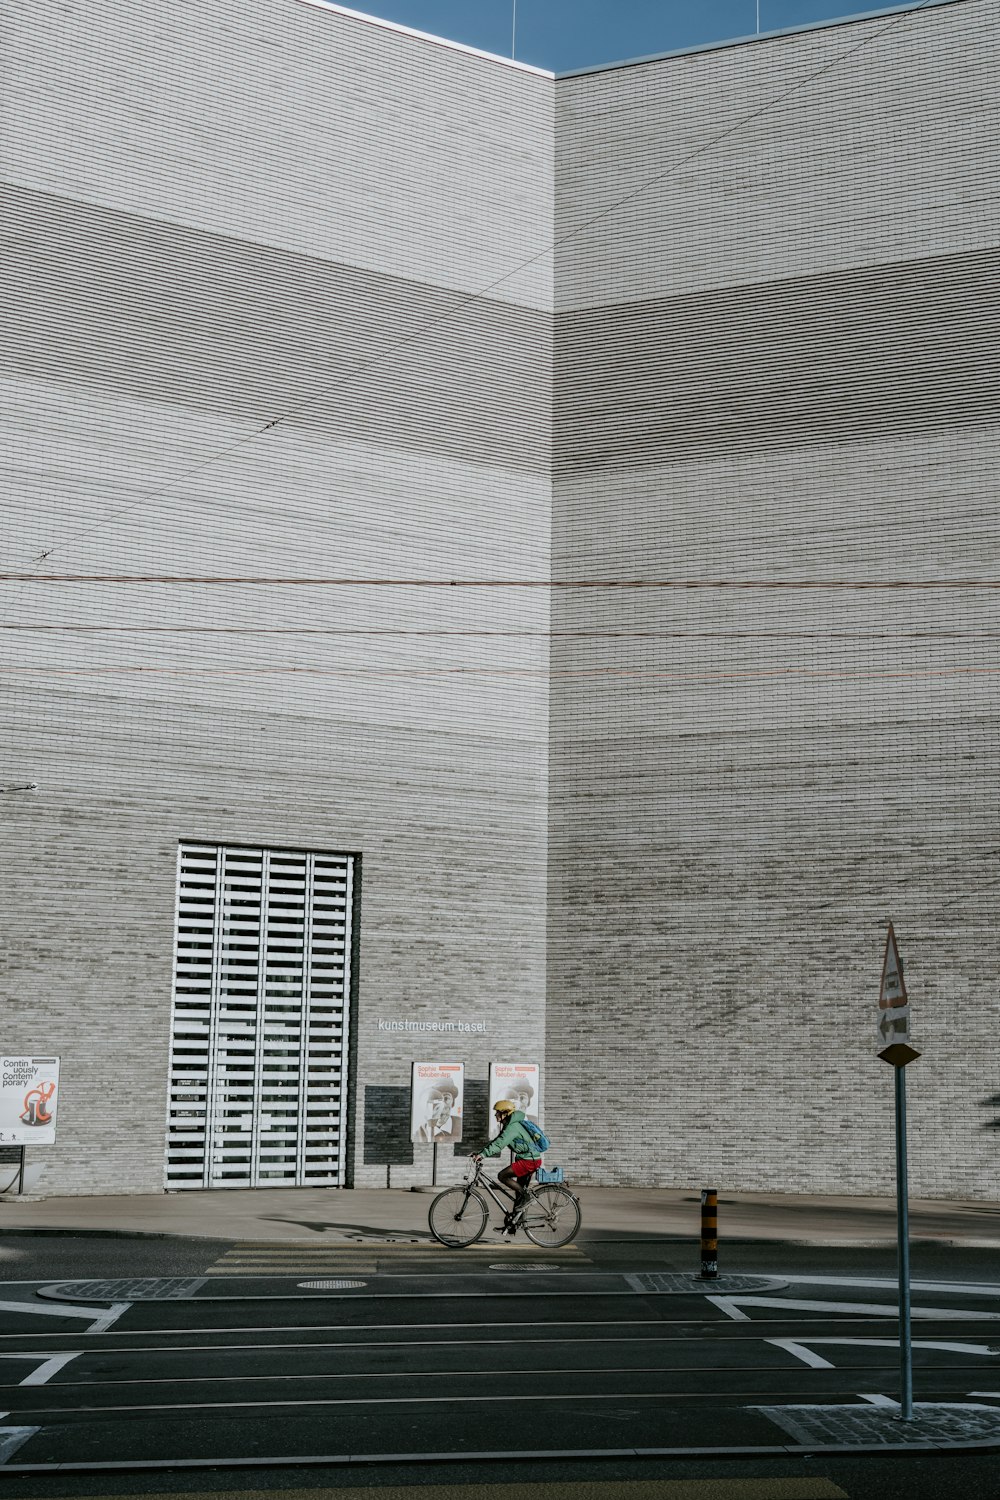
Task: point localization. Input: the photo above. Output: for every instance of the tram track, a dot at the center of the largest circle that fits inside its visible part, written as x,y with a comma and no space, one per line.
653,1371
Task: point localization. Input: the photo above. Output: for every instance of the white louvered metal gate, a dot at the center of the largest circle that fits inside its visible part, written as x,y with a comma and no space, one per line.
258,1063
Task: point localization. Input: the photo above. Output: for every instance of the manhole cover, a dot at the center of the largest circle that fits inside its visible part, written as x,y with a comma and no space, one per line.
331,1286
524,1265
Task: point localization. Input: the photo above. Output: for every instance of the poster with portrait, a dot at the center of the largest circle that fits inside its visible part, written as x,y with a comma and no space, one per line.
436,1102
29,1092
521,1083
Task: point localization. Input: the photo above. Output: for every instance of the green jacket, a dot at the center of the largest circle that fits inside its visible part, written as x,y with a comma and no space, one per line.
512,1135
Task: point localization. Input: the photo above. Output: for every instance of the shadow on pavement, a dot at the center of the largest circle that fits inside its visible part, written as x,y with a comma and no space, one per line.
351,1231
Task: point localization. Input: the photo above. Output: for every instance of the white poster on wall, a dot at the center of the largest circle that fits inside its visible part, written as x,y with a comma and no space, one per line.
521,1083
436,1102
29,1093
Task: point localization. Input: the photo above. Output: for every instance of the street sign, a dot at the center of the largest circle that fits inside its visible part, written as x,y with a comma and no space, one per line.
894,1008
892,992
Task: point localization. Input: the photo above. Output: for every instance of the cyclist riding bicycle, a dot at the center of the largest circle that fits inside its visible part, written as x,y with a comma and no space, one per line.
525,1159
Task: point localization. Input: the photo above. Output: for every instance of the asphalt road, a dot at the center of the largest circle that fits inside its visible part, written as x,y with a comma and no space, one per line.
579,1361
588,1369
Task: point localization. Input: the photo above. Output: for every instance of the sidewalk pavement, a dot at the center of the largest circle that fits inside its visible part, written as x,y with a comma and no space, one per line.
297,1215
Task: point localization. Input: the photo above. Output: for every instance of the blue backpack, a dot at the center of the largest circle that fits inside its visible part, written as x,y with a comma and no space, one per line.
536,1133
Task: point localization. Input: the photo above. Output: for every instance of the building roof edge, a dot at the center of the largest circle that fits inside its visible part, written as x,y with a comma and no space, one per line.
427,36
763,36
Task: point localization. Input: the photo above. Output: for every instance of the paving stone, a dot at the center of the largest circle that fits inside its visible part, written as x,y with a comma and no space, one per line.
125,1289
666,1281
863,1425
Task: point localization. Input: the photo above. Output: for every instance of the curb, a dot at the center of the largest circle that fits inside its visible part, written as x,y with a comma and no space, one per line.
504,1455
967,1243
133,1234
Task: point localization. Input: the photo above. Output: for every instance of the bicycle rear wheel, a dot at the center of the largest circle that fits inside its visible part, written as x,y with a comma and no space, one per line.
457,1217
551,1215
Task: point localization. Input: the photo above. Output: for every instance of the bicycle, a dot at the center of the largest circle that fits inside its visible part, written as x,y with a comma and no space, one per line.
550,1215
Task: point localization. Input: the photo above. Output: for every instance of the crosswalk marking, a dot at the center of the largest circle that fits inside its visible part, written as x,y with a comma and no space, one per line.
254,1257
414,1247
284,1265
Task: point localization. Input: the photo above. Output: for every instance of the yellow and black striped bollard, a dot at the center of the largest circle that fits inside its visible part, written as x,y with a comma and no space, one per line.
709,1234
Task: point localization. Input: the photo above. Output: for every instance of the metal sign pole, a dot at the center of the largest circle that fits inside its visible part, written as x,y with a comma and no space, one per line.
20,1174
903,1253
897,1049
434,1168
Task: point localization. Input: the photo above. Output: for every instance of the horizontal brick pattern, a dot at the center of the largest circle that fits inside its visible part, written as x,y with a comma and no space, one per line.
289,126
807,154
219,216
170,315
774,392
879,350
661,847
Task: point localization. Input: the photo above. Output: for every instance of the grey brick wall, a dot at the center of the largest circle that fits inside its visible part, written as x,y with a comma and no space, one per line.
658,855
218,215
775,391
287,125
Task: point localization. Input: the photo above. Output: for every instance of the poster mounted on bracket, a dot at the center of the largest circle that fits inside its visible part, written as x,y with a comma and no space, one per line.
29,1094
436,1097
521,1083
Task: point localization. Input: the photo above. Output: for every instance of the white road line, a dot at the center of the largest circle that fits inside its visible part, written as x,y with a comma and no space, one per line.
874,1399
101,1318
323,1401
368,1344
508,1327
359,1375
11,1438
732,1306
265,1377
50,1364
728,1306
390,1327
807,1356
881,1283
817,1362
986,1350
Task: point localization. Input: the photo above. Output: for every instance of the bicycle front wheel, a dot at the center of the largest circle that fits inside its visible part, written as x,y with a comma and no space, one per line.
457,1217
551,1215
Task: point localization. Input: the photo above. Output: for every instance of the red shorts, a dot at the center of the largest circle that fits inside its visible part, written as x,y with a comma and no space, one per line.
525,1168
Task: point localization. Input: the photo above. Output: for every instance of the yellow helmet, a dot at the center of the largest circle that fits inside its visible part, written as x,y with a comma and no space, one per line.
503,1107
